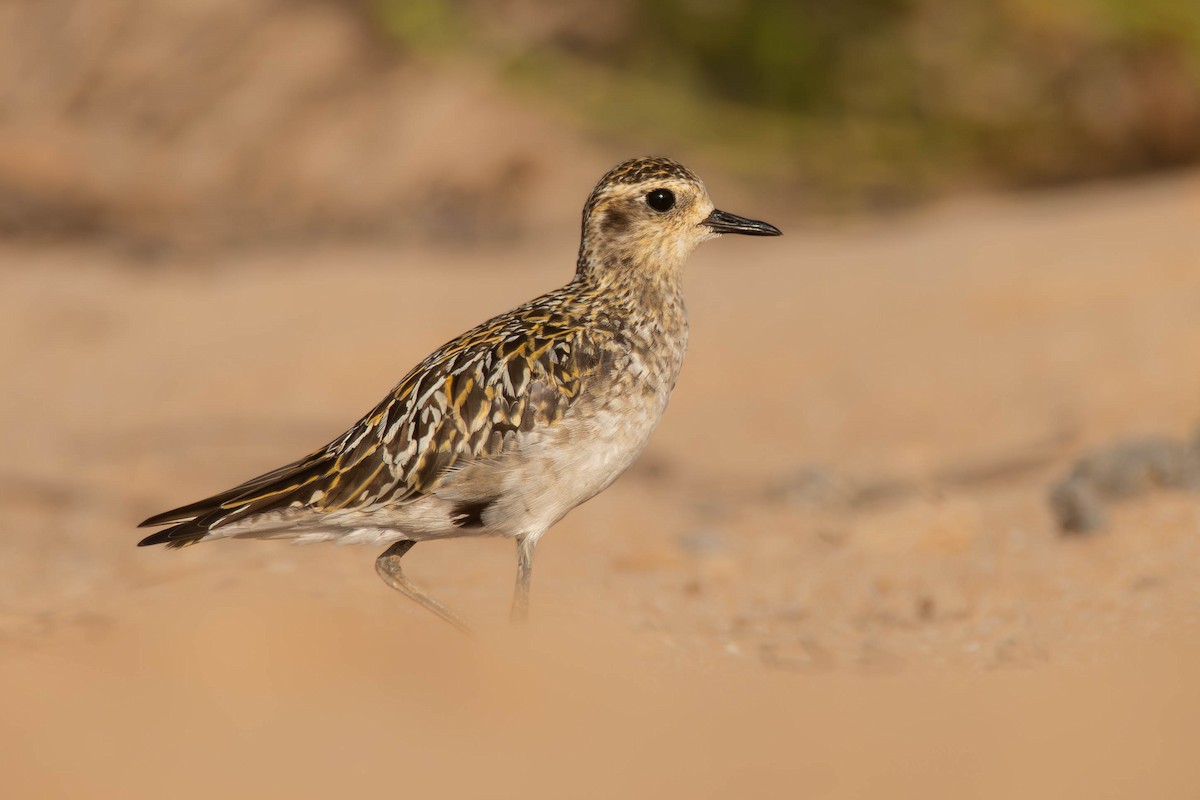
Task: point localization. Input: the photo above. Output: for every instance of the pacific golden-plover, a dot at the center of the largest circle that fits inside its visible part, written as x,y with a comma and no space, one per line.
508,427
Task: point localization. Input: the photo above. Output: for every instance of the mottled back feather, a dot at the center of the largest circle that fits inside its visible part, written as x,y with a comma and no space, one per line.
462,403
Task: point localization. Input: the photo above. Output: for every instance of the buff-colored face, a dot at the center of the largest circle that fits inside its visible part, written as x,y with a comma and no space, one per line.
660,220
651,213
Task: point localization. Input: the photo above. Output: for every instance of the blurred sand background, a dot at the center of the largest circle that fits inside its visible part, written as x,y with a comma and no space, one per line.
229,228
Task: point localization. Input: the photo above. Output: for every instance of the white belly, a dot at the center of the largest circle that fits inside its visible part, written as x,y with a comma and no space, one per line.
593,457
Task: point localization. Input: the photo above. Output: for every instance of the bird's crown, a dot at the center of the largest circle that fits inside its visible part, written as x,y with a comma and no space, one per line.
638,170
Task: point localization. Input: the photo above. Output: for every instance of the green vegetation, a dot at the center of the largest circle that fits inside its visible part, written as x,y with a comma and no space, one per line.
422,24
875,101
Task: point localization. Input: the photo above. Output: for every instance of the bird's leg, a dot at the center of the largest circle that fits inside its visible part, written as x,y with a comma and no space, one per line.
388,567
520,604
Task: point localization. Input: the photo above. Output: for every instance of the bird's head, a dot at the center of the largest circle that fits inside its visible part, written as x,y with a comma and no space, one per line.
648,214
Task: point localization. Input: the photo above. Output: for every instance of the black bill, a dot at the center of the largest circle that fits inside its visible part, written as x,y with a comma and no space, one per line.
724,222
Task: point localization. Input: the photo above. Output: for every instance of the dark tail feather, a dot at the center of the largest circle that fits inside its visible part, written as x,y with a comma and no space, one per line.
181,535
189,512
211,504
265,493
192,522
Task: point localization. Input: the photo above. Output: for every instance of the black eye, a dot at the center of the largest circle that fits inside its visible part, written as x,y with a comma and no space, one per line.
661,200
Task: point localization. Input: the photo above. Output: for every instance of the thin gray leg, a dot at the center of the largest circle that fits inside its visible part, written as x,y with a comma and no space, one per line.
388,567
520,604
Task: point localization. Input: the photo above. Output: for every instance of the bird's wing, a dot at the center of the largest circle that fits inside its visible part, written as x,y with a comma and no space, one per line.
465,401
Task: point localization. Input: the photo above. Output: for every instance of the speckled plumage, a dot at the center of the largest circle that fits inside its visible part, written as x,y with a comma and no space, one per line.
508,427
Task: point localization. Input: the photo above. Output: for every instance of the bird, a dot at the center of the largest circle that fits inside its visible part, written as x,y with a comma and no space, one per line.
506,428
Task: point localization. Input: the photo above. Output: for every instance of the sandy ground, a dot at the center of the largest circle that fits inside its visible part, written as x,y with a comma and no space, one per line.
833,574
